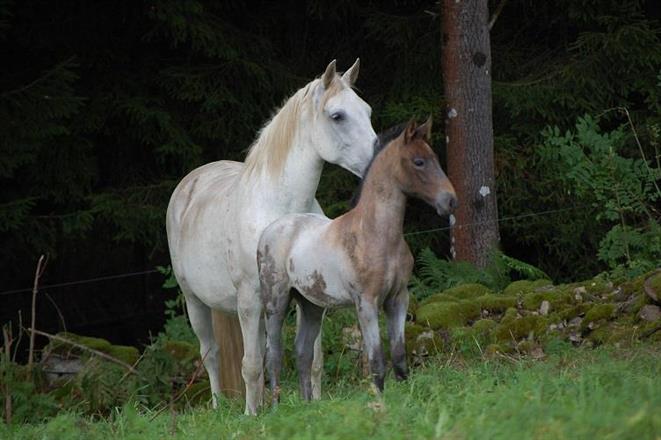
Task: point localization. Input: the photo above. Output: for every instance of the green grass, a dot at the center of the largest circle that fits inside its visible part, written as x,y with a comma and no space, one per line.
573,394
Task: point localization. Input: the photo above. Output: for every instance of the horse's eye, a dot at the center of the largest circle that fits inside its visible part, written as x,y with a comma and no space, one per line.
337,116
419,162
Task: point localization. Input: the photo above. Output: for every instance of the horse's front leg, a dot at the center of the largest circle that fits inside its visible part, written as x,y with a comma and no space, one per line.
252,328
395,308
368,318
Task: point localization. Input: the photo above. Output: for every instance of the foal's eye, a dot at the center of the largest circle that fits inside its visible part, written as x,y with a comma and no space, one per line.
419,162
337,116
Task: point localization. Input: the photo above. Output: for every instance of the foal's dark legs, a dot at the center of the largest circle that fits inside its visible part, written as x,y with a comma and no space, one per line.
310,324
368,318
395,308
276,304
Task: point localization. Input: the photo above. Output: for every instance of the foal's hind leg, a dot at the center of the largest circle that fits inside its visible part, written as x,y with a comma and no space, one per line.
199,315
317,360
308,330
395,308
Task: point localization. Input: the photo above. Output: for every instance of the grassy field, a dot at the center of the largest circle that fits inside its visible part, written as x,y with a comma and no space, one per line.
571,394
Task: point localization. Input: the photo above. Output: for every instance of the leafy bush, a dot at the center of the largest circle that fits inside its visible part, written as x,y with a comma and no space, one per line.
596,169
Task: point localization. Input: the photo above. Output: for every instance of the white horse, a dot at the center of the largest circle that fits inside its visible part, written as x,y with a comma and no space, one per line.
218,211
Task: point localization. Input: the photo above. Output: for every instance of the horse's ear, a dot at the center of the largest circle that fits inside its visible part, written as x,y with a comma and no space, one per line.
424,131
409,131
351,75
329,74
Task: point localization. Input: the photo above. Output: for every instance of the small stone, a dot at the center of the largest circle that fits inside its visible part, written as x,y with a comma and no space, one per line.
578,293
553,327
575,322
650,313
537,353
544,308
575,337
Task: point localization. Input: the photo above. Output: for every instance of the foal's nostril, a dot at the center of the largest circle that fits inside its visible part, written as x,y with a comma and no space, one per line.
453,203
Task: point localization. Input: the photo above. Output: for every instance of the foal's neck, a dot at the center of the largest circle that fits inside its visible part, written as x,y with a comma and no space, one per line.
381,208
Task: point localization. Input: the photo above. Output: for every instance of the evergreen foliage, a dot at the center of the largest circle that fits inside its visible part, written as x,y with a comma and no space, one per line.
104,106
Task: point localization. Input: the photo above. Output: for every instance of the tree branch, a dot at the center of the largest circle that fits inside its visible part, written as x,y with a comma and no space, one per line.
85,348
496,13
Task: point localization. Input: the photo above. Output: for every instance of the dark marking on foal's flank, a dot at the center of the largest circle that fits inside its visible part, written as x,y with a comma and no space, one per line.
318,287
479,59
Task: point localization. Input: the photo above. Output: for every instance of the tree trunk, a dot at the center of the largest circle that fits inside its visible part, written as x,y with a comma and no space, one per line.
227,330
466,65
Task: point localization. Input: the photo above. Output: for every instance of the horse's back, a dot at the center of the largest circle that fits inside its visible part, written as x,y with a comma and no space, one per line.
203,181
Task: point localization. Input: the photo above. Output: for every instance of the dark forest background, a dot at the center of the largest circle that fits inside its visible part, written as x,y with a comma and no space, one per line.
105,105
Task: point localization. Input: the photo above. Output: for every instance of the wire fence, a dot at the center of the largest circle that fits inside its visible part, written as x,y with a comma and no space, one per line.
408,234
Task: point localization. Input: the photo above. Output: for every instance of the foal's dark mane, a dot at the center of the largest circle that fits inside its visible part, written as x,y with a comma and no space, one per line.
383,139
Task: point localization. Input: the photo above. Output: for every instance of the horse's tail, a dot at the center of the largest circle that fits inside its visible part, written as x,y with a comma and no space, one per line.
227,330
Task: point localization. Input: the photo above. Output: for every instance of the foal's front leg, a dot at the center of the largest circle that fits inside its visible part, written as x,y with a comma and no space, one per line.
276,300
368,318
395,308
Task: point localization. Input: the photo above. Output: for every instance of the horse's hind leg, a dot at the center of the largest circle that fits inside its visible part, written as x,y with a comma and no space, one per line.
308,330
199,315
317,359
395,308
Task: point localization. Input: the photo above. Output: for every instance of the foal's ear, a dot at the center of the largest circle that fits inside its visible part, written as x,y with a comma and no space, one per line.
351,75
410,131
329,74
424,131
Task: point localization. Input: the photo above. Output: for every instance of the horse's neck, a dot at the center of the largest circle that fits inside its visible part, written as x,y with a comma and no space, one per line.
380,211
293,190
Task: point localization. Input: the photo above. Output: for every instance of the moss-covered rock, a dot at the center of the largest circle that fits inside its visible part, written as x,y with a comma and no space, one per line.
458,293
557,298
448,314
598,312
123,353
496,303
568,312
483,330
421,341
615,333
521,328
438,297
524,287
510,315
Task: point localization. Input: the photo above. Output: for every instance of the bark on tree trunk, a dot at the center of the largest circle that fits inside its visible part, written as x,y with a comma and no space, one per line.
466,65
227,331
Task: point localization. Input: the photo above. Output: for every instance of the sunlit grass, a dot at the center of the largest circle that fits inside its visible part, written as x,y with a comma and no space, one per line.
573,394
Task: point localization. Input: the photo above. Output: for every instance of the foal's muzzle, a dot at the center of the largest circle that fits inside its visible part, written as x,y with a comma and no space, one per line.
446,203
